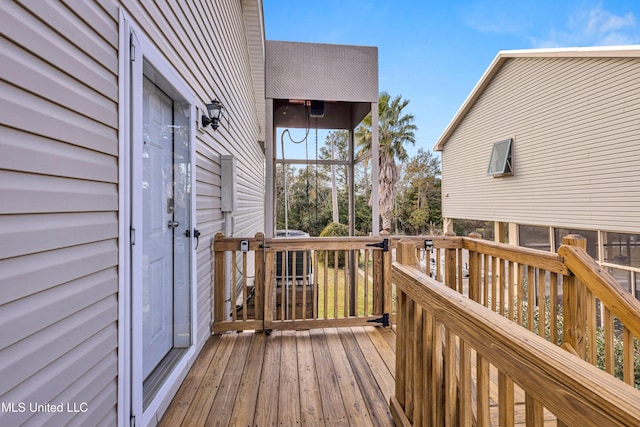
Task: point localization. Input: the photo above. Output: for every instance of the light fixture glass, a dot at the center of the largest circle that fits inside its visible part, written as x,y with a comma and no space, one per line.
215,114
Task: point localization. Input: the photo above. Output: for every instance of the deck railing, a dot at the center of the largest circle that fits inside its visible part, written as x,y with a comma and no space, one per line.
511,286
450,348
300,283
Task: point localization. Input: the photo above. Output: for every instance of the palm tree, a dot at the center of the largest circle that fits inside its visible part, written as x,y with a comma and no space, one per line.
395,129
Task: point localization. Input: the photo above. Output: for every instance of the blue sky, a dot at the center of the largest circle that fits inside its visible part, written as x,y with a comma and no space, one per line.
434,52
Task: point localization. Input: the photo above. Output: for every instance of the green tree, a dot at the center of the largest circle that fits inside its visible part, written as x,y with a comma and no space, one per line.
420,199
395,129
339,139
308,199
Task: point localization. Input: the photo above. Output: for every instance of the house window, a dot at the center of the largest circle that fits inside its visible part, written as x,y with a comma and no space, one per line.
622,249
501,163
531,236
591,236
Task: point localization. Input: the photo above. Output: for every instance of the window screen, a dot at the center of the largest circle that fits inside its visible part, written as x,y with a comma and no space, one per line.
500,162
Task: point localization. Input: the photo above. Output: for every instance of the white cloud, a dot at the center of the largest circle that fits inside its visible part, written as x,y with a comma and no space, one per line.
601,22
593,27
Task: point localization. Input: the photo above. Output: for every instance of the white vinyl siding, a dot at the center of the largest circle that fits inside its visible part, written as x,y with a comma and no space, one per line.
58,216
575,127
59,184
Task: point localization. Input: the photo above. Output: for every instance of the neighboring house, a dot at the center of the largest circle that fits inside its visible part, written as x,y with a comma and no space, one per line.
563,127
106,173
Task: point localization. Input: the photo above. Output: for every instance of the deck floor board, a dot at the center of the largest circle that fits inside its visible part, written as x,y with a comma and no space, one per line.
320,377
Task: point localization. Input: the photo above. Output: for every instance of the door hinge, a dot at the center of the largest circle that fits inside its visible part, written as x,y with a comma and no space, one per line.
132,421
132,51
384,320
384,245
132,236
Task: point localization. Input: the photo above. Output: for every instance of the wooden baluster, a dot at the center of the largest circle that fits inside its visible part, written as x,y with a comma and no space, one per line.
520,308
269,289
591,326
294,285
234,279
365,268
347,285
326,284
542,297
506,401
315,284
336,266
495,277
627,356
466,404
531,297
510,292
503,285
305,274
378,283
534,411
283,283
245,294
609,348
485,293
553,295
483,391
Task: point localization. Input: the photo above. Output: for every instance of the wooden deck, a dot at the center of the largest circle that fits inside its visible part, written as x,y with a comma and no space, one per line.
318,377
321,377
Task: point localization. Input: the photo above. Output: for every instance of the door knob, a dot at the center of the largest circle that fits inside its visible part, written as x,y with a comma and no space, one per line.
173,224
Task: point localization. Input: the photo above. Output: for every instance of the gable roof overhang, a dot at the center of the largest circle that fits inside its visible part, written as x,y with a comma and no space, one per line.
503,56
252,13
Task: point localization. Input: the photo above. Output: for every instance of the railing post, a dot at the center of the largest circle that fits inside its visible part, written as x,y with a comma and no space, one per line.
404,254
474,271
259,279
382,279
450,264
574,305
387,298
217,294
269,279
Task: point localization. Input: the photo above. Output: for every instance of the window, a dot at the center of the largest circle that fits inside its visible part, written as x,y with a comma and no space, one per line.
534,237
500,163
591,236
622,249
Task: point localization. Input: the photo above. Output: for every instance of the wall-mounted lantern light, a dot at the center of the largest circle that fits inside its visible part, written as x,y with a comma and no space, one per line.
215,114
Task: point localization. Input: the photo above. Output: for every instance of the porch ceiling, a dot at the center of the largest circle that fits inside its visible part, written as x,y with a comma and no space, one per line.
337,115
344,77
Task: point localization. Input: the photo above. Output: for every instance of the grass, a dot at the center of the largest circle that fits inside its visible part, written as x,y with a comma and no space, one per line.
336,293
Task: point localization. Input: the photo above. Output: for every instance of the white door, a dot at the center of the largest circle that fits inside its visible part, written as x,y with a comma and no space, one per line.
157,294
158,226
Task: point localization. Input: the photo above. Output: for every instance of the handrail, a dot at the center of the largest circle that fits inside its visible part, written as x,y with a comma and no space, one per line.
604,286
519,254
319,243
577,392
